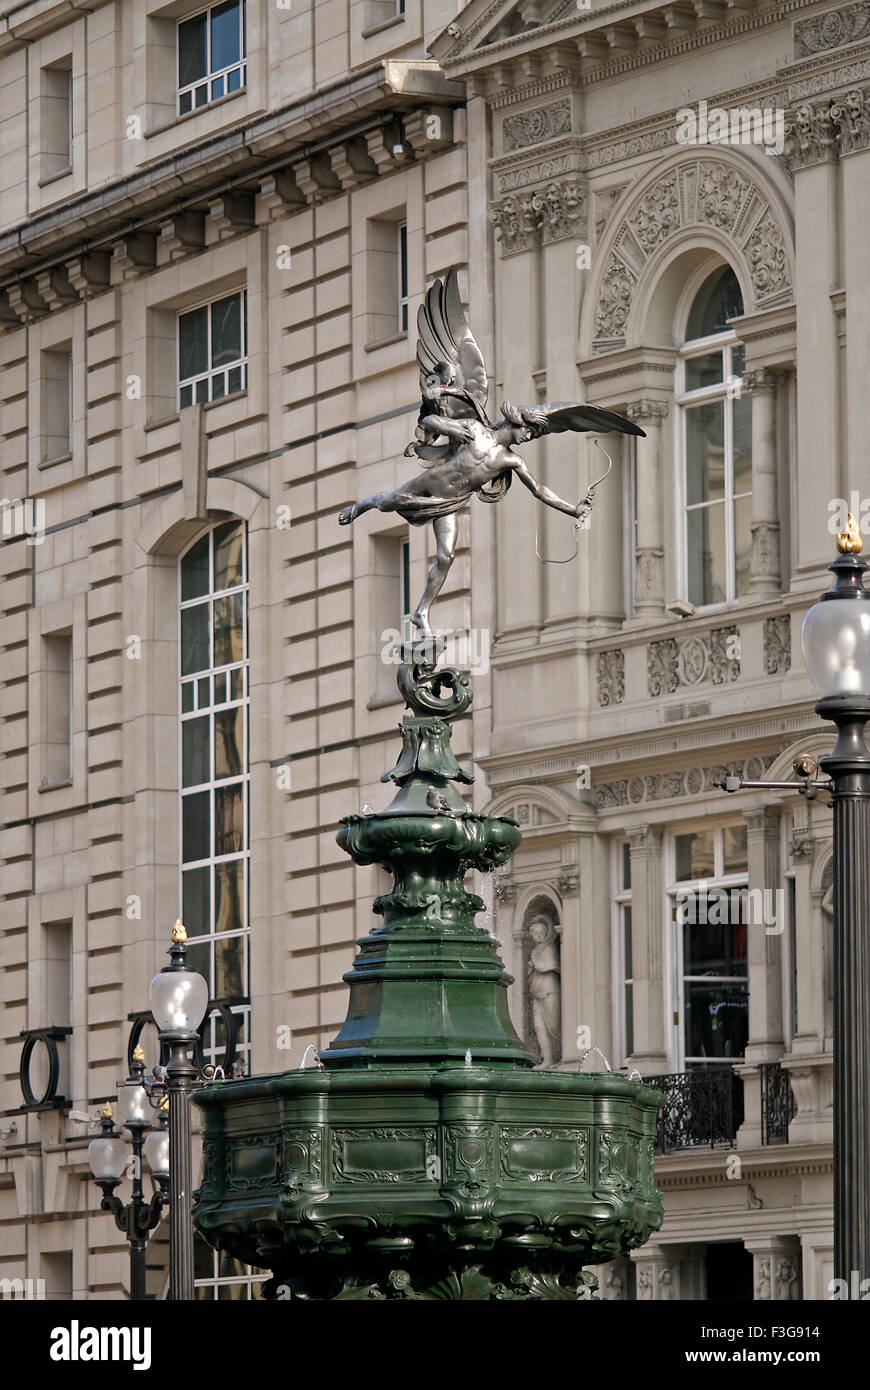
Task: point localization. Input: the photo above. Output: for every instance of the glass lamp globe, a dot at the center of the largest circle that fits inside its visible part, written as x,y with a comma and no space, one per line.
836,646
178,997
132,1108
107,1154
156,1150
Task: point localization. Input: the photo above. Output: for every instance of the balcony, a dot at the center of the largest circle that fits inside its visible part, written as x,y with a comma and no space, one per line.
702,1109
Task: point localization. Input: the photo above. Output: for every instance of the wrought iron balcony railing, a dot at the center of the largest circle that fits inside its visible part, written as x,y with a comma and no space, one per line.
777,1103
702,1109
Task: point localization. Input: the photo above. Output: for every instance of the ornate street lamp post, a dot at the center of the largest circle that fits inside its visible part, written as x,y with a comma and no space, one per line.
109,1161
179,998
836,645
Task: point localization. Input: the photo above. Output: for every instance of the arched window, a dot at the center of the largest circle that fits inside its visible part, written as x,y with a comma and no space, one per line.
715,441
215,852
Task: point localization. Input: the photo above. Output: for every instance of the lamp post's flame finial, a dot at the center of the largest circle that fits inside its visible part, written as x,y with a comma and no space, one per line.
849,540
138,1053
179,933
107,1112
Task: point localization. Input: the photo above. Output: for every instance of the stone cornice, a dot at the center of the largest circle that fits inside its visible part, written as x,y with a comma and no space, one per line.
280,138
21,24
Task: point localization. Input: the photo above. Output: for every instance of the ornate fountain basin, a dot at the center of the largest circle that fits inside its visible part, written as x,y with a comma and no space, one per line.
449,1182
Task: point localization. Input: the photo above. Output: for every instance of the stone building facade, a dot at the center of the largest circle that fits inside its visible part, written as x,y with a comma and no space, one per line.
217,226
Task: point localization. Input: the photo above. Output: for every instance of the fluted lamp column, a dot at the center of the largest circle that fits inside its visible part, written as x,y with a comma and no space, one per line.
836,646
179,998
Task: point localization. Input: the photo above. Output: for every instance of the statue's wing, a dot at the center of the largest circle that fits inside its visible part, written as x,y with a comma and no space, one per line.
444,336
562,415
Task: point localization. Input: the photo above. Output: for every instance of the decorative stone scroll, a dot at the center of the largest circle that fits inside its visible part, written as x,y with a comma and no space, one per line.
611,677
703,656
538,216
832,29
777,644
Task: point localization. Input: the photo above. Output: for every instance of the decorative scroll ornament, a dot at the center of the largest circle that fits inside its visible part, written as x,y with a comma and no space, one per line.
832,29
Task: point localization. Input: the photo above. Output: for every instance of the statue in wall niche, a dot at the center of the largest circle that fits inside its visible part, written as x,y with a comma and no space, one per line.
545,989
477,455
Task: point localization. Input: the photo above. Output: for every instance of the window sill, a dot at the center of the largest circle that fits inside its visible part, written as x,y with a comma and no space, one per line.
161,422
387,342
189,115
58,458
53,178
55,786
384,24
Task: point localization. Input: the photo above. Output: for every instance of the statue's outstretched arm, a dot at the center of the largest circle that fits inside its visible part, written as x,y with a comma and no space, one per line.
545,494
451,429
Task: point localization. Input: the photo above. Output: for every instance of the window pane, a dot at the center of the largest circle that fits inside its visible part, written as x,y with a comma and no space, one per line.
742,545
235,380
705,543
704,371
217,88
225,36
228,541
191,50
228,740
742,431
717,1019
199,959
202,95
194,827
228,637
738,360
194,752
734,845
228,966
196,901
192,343
203,1259
705,452
629,1020
226,331
202,693
187,697
184,105
194,571
229,836
234,80
229,888
237,683
714,932
201,391
718,300
194,639
626,865
695,855
626,939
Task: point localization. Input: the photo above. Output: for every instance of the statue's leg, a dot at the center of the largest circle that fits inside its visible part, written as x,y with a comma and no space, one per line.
446,530
366,505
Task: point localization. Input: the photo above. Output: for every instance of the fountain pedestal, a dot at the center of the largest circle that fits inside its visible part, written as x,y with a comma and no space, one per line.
427,1159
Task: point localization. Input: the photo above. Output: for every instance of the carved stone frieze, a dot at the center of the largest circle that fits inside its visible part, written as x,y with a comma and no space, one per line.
611,677
724,655
524,128
832,29
539,216
777,644
703,192
663,786
661,667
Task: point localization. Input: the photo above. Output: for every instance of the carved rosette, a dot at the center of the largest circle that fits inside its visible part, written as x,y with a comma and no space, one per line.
611,677
832,29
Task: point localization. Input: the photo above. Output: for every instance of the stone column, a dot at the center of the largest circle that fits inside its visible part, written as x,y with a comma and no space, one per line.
776,1268
649,573
764,563
812,154
850,113
810,1068
765,925
647,949
668,1273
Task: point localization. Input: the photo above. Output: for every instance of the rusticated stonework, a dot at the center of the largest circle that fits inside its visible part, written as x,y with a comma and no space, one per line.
611,677
526,128
832,29
540,216
777,644
699,193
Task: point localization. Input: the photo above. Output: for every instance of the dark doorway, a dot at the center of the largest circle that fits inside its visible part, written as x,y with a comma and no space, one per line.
729,1273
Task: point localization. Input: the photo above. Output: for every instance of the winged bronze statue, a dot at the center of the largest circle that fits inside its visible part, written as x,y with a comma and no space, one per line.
478,454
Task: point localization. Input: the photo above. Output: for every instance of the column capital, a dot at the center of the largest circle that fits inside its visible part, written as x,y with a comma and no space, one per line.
758,380
810,135
645,840
644,409
763,820
850,113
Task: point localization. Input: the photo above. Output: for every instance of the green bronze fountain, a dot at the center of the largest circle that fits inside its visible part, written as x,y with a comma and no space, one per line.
428,1157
